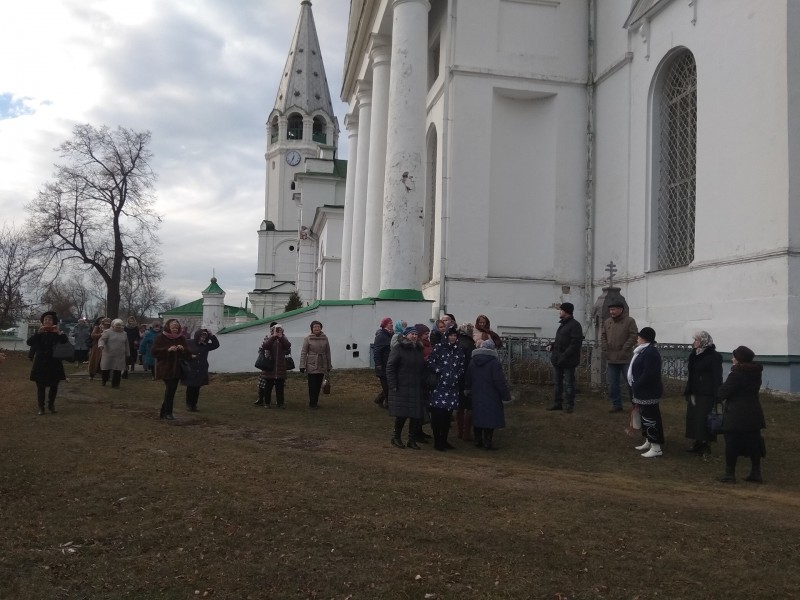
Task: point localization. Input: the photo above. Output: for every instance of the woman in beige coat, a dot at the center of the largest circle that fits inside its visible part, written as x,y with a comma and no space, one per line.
114,345
315,359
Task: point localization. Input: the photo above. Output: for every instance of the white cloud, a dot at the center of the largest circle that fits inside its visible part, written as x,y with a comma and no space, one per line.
201,75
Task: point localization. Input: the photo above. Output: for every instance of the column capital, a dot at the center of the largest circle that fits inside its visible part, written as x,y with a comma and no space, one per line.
351,123
380,49
425,3
363,93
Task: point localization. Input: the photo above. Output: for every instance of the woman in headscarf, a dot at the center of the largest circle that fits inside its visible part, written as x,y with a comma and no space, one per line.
115,347
702,385
132,331
196,375
96,353
644,377
488,389
146,347
47,371
315,359
743,417
447,361
483,332
169,349
404,373
278,346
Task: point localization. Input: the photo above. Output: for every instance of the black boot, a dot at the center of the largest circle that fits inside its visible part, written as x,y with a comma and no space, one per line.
396,440
487,439
41,408
51,406
438,439
478,434
730,474
755,473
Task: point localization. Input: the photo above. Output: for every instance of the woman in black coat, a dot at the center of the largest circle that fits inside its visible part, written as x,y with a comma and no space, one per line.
196,374
488,389
705,378
644,377
404,375
743,417
47,371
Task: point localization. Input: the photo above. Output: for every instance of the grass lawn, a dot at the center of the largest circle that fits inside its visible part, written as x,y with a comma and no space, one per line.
104,500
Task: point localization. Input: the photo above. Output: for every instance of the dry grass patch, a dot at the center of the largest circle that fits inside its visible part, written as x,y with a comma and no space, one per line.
104,500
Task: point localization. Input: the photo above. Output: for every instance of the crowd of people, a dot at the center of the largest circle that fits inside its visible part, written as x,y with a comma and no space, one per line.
113,349
447,375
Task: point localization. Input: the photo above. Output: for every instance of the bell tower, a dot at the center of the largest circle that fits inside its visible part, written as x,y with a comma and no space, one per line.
299,125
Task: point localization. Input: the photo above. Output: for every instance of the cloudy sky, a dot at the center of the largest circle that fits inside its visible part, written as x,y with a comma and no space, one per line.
201,75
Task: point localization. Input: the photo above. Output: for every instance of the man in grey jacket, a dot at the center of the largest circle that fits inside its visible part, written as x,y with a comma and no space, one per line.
617,341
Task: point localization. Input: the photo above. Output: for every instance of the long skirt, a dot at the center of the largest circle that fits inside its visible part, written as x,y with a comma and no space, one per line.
696,419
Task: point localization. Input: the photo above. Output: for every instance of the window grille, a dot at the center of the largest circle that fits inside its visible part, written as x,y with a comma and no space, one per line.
677,163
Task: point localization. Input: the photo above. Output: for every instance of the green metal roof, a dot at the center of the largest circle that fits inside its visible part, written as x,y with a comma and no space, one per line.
213,288
195,309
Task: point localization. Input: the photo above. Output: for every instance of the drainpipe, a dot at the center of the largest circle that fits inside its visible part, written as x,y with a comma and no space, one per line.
451,31
590,110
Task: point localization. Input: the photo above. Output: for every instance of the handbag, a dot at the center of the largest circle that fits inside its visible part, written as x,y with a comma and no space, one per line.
64,351
714,421
636,417
263,360
289,362
430,378
326,386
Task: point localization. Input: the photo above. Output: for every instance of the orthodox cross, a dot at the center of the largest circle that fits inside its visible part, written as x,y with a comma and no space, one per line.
611,268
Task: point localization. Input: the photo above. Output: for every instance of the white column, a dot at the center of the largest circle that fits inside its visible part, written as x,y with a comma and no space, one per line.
380,55
364,97
401,263
351,124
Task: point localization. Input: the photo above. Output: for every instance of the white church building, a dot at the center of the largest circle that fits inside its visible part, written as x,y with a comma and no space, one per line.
504,152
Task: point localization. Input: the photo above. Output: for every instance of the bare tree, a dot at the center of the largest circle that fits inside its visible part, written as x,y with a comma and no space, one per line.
19,271
98,210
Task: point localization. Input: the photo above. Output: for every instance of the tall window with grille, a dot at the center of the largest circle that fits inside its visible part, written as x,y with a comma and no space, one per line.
677,160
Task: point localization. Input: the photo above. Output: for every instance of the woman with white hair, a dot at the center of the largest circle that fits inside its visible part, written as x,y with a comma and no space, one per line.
702,389
116,350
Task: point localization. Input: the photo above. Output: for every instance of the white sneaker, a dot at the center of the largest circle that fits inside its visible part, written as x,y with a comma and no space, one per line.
655,450
645,446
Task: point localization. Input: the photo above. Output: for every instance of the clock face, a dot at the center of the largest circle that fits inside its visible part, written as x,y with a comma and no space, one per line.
293,158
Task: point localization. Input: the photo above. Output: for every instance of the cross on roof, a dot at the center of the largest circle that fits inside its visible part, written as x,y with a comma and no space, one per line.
611,268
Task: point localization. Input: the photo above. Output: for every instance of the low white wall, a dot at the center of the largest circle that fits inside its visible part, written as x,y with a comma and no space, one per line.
350,330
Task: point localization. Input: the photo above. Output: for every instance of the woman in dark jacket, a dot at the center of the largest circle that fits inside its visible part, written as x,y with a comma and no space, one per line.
488,389
644,377
47,371
169,349
196,374
743,417
705,378
278,346
405,369
380,354
132,331
448,362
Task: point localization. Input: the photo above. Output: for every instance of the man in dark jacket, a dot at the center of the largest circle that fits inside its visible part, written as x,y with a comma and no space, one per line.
380,354
565,354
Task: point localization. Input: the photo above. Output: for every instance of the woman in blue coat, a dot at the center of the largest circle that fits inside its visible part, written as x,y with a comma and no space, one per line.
488,389
644,377
447,361
146,346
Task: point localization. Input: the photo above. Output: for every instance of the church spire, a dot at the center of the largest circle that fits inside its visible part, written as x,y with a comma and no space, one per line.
304,84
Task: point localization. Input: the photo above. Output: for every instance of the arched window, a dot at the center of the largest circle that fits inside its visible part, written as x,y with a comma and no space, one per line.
318,134
294,130
675,146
